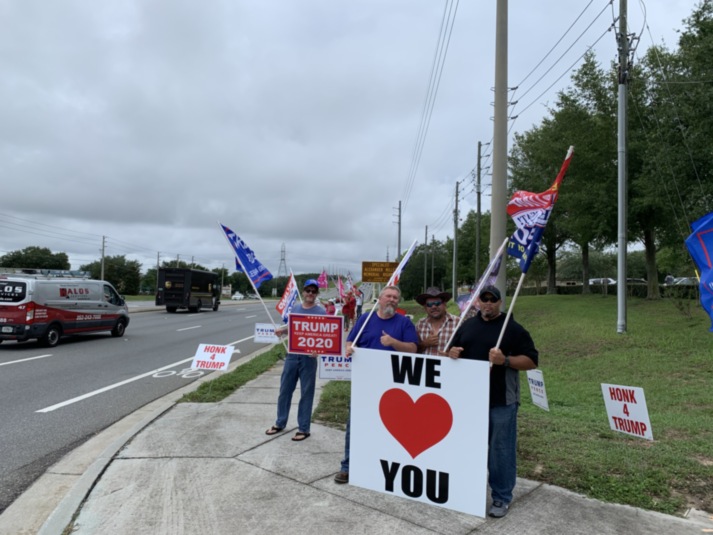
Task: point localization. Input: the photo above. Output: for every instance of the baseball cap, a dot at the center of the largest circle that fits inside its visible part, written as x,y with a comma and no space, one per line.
493,290
310,282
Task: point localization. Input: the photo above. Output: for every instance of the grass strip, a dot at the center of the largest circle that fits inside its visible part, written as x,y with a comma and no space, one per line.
227,383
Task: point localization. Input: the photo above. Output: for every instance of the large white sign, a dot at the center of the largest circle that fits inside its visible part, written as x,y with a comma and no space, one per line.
212,357
537,389
419,428
626,410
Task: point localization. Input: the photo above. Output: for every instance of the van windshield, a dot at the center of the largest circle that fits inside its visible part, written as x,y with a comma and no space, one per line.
12,291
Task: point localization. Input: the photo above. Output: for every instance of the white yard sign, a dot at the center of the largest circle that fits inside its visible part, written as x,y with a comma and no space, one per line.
537,389
212,357
265,334
419,428
626,409
335,367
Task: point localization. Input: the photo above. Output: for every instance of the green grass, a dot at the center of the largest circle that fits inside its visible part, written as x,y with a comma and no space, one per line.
666,352
226,384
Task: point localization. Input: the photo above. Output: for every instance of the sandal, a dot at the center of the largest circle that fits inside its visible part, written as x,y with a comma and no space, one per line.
274,430
300,436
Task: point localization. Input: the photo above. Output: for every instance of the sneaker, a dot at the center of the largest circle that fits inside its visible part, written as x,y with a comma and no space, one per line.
341,478
498,509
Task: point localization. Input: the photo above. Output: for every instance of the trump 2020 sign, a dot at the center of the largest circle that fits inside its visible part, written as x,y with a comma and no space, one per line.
419,428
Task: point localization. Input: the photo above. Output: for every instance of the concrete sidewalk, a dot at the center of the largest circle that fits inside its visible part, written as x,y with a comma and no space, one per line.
210,468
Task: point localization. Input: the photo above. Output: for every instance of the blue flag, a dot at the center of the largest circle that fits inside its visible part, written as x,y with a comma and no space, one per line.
530,212
245,260
700,245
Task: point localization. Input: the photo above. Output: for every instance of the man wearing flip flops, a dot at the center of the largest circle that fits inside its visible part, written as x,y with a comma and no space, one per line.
302,367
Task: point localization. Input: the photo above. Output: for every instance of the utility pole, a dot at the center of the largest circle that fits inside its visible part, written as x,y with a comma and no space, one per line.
103,249
455,245
158,261
425,259
477,218
398,223
498,215
621,169
433,256
178,259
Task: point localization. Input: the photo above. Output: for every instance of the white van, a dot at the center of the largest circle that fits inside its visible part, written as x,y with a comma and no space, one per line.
46,308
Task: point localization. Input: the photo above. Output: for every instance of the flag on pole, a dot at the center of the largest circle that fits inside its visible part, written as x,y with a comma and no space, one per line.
349,282
322,279
340,287
245,260
396,275
289,298
530,212
489,278
700,246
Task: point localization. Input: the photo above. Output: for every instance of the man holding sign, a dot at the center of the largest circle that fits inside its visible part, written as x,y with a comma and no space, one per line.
385,330
302,367
477,339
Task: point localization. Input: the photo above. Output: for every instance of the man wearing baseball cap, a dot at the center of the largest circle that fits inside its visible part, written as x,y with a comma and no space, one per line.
477,339
302,367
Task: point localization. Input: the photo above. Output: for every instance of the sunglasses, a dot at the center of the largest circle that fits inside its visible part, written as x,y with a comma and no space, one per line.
489,300
311,291
434,304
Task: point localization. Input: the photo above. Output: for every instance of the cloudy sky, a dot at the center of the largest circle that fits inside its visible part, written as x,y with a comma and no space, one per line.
293,122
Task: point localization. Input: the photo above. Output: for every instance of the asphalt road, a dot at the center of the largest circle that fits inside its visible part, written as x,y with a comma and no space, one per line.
52,400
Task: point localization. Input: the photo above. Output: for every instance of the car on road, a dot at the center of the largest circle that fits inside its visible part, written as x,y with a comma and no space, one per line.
237,296
605,280
686,281
635,281
252,295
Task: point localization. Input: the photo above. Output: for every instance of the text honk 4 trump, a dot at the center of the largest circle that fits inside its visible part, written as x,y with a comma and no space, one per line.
419,428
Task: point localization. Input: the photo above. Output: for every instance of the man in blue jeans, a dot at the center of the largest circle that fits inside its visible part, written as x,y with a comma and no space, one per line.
302,367
477,339
385,330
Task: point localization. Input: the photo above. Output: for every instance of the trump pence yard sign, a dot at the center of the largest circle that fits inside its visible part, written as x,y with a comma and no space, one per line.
419,428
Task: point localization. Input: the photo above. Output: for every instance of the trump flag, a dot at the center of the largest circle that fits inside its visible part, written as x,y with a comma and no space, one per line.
245,259
530,212
700,245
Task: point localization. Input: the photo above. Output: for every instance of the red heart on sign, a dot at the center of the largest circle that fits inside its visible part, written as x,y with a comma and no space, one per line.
416,426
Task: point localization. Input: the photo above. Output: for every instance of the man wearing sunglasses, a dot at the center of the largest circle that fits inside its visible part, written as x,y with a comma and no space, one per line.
302,367
437,327
477,339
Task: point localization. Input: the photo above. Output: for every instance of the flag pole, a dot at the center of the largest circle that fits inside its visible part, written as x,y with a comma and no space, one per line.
391,282
483,279
507,316
274,326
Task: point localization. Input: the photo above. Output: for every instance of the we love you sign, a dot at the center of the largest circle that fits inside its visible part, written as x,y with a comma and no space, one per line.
419,428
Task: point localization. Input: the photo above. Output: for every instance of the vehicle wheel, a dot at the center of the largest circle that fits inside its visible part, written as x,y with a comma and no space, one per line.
119,329
171,309
199,305
51,336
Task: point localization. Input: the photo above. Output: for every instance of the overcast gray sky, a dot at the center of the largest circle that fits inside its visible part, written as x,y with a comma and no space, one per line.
291,121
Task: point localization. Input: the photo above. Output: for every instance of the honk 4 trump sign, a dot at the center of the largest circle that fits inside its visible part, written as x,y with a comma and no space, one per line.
419,428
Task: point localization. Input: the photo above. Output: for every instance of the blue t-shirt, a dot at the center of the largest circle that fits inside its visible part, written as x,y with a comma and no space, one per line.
397,326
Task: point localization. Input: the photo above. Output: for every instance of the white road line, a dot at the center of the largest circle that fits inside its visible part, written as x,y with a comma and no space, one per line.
25,360
189,328
248,317
116,385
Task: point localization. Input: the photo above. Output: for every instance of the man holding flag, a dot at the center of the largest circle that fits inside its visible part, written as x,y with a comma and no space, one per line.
495,337
387,331
302,367
477,339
